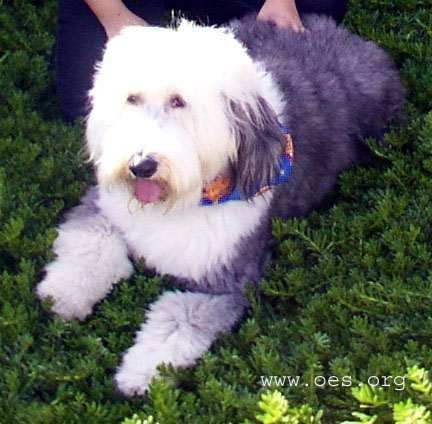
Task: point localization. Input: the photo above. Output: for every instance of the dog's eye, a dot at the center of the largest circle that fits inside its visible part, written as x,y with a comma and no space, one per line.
134,99
177,101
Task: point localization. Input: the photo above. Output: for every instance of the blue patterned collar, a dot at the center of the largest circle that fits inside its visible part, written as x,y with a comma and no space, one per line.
221,189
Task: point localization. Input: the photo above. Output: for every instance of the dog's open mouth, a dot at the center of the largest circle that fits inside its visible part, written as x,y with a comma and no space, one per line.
148,191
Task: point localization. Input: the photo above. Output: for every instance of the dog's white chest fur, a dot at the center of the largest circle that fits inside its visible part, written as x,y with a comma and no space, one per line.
188,243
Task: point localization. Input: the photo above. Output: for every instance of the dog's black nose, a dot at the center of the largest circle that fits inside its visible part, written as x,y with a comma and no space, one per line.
144,169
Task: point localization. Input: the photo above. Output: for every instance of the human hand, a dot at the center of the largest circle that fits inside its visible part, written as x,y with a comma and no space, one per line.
283,13
114,15
114,25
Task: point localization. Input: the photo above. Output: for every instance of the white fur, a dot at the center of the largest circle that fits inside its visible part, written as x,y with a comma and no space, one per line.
185,243
91,257
176,236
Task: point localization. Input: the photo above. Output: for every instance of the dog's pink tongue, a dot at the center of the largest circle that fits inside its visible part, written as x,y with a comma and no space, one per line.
147,191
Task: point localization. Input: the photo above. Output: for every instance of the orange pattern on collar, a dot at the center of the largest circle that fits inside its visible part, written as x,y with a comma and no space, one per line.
221,190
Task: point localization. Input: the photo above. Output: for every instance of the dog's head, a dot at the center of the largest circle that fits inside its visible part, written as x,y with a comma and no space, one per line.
172,109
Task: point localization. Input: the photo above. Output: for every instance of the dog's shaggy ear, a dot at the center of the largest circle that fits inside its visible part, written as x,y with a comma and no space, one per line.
260,143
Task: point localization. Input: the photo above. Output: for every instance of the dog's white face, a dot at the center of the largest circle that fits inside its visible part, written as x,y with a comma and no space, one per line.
171,108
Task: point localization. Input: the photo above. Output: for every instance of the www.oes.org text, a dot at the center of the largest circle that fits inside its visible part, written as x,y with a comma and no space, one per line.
333,381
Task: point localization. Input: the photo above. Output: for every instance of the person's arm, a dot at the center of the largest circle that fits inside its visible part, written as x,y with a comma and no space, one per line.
283,13
114,15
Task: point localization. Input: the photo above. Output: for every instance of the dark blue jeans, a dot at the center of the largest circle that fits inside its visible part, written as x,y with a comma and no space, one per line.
81,37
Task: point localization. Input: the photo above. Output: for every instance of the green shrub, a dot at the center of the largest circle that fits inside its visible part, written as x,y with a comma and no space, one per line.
349,292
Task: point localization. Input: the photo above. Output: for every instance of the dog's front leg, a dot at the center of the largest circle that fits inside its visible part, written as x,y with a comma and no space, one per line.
91,257
180,327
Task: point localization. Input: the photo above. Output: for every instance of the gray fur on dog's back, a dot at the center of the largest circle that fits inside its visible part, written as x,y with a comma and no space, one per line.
338,89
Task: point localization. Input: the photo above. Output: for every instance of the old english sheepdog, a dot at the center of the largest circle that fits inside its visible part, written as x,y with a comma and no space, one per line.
200,135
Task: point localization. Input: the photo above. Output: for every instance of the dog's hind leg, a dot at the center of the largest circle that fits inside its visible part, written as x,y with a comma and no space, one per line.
180,327
91,257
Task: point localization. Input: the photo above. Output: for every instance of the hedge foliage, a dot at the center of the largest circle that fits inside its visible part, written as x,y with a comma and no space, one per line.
349,292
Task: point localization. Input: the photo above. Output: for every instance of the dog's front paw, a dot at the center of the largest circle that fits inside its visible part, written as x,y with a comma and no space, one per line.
139,367
66,301
134,382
